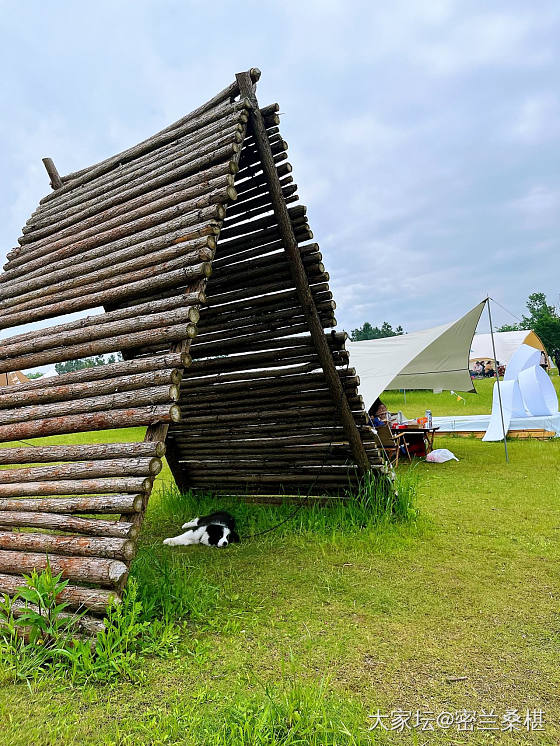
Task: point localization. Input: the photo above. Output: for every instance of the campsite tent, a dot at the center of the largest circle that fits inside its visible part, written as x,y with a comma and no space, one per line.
427,359
506,344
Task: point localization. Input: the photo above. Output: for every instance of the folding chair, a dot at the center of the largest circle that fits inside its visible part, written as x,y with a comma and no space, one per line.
390,442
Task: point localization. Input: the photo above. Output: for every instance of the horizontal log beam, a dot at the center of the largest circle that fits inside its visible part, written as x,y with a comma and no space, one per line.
94,599
84,569
128,467
118,418
104,504
81,546
72,524
83,452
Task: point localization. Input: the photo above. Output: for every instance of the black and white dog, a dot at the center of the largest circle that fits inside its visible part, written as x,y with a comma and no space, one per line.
214,530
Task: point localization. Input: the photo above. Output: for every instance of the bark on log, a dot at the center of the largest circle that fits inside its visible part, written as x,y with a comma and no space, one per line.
120,400
94,599
185,300
102,330
217,107
85,569
283,216
105,208
72,524
83,452
54,176
128,467
135,170
77,546
105,504
192,225
118,418
100,346
56,393
76,486
85,623
164,175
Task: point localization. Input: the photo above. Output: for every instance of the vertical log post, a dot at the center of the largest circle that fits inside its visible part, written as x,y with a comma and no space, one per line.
297,269
56,181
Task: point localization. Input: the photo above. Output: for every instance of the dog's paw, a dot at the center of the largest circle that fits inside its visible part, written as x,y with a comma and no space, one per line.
169,542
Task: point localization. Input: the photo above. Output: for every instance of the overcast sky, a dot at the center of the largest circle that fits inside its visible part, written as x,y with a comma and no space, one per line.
423,134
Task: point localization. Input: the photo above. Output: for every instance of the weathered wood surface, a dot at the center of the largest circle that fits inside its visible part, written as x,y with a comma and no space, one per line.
80,423
119,400
76,486
83,623
85,451
104,504
86,569
76,546
94,599
70,523
118,342
55,393
83,470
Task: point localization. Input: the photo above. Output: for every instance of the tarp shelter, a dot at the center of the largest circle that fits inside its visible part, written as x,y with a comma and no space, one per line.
506,345
427,359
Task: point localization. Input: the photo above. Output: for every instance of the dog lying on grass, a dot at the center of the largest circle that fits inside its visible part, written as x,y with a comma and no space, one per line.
214,530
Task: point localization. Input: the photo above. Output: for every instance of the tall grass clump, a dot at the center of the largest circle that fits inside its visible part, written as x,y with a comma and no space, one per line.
290,714
41,639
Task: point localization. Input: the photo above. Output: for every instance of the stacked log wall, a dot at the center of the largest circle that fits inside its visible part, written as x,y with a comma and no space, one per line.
173,249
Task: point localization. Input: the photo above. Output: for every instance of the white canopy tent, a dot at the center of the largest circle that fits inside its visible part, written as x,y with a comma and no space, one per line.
431,358
507,343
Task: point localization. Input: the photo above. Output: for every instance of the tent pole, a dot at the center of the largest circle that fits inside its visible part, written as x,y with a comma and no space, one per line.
404,396
497,378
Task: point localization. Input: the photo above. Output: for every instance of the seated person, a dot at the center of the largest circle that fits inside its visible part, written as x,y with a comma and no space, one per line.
378,414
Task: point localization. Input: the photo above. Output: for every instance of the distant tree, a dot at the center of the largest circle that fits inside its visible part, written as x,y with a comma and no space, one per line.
542,318
367,331
87,362
37,374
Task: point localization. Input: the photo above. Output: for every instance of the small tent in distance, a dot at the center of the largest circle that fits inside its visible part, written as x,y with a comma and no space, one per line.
507,343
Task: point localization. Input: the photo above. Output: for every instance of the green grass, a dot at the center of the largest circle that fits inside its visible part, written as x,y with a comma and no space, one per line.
296,636
445,403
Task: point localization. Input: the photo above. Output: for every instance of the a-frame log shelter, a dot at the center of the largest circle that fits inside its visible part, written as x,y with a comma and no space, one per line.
197,261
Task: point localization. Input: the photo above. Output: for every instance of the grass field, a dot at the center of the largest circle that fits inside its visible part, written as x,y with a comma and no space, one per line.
297,636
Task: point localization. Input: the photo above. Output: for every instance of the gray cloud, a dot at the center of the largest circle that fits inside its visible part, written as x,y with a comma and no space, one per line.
423,134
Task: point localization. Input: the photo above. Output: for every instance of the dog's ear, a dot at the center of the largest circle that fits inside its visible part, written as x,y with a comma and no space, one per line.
233,537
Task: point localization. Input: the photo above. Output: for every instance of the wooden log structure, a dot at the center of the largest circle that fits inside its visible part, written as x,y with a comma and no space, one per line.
190,255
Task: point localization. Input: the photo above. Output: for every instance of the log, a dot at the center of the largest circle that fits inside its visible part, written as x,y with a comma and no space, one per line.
82,623
100,346
118,418
175,279
186,300
108,504
119,400
76,487
283,216
190,123
189,227
151,164
84,470
129,259
121,239
159,176
85,569
102,330
105,209
54,393
72,524
54,176
76,597
81,546
85,451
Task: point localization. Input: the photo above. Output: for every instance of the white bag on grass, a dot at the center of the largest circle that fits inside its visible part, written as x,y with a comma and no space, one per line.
440,455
